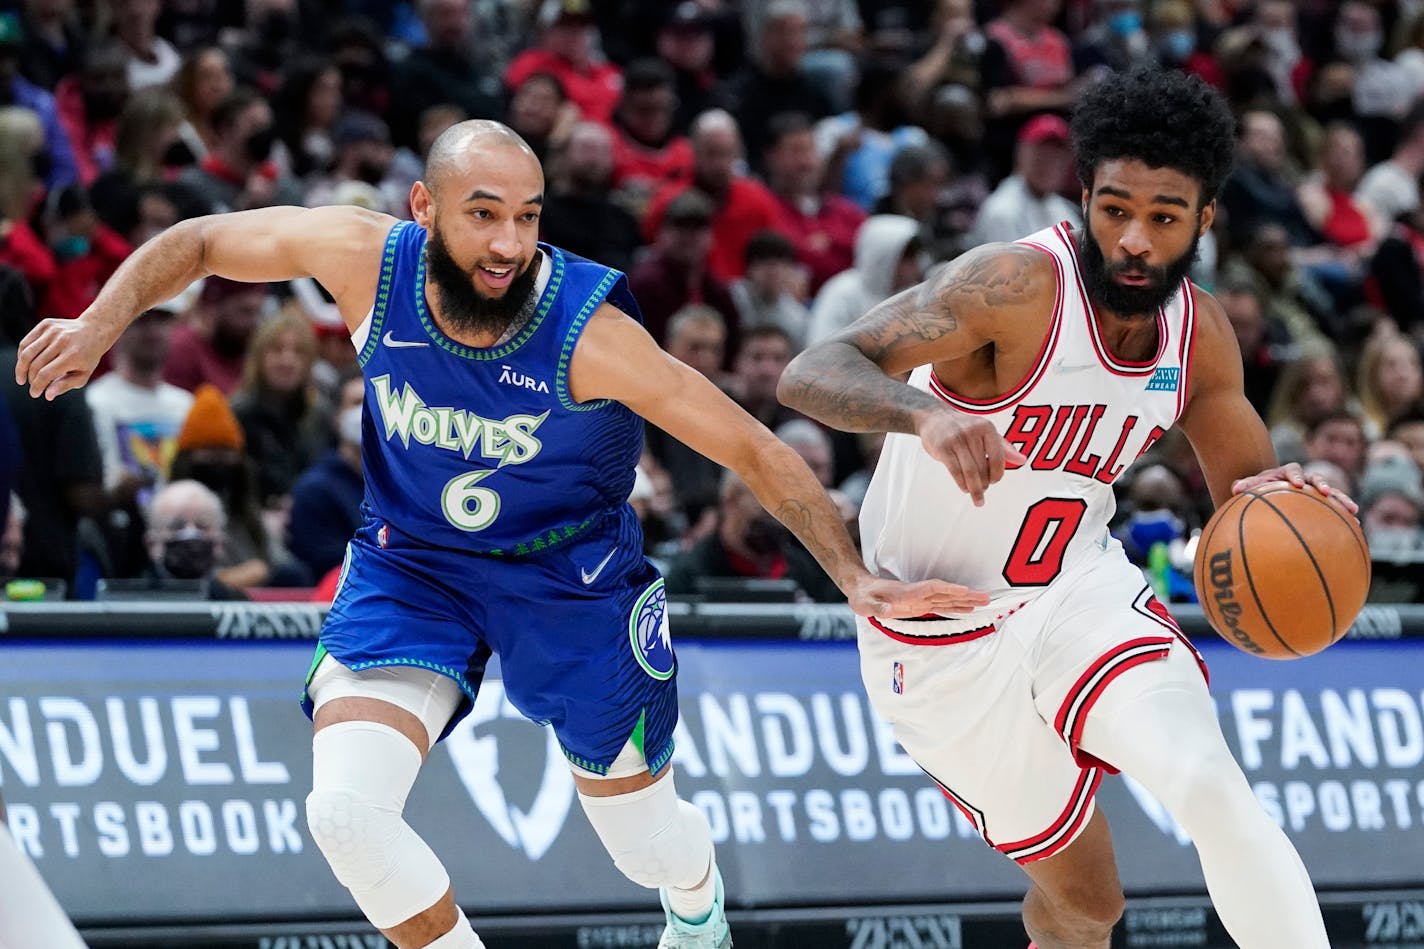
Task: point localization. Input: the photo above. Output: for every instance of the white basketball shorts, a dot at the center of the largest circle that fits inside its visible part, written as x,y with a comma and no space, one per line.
993,711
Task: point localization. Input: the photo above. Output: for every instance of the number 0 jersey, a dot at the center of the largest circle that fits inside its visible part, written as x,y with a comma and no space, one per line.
1080,416
485,450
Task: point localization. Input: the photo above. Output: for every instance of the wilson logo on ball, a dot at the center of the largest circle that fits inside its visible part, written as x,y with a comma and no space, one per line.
1226,605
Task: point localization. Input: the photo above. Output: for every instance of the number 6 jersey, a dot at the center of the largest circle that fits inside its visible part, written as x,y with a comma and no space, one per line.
484,450
1080,416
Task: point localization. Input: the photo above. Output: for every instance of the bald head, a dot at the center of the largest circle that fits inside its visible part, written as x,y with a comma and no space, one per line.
465,145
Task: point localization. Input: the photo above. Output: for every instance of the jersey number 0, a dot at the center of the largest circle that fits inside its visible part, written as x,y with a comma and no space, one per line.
1037,555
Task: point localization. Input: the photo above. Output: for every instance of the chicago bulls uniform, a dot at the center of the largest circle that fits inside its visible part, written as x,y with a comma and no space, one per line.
992,704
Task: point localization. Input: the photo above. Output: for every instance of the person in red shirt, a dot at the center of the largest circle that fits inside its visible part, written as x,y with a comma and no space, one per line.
211,344
566,51
86,253
646,153
742,205
89,104
822,225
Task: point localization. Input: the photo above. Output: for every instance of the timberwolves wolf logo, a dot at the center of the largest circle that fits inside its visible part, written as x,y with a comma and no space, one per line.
476,760
648,632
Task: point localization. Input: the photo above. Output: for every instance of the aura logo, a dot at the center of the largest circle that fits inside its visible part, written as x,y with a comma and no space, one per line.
476,759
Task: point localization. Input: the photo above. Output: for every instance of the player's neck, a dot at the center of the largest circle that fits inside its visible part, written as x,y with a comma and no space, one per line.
1128,338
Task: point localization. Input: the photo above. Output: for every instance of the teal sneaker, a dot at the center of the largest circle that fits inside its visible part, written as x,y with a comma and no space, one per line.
712,933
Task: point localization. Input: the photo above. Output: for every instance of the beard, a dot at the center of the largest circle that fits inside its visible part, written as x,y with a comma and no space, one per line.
465,309
1128,301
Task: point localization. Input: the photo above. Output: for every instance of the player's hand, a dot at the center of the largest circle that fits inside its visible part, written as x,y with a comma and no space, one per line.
970,448
1294,475
59,355
877,596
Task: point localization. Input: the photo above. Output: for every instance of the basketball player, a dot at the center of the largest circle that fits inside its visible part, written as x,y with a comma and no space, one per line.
1038,371
504,383
30,916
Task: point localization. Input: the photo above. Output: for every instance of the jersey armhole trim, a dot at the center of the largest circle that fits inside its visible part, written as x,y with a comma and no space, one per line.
571,338
1035,372
383,295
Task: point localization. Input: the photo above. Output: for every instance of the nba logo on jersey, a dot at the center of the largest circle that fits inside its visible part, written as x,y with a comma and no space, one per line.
897,681
1164,379
383,535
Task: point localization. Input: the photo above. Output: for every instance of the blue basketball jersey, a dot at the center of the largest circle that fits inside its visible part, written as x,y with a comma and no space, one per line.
484,450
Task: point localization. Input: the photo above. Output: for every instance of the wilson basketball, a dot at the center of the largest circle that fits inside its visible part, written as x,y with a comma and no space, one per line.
1281,571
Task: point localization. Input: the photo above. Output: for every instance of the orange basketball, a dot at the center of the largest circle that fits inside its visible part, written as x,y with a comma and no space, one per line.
1281,571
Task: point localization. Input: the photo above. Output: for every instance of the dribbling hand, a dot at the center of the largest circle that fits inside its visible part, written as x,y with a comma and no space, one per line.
57,356
1295,475
877,596
970,448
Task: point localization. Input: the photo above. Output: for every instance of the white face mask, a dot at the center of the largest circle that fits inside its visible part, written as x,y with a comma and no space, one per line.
1357,47
348,425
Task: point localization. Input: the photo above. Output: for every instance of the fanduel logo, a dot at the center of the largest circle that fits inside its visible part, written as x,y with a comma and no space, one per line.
405,416
476,759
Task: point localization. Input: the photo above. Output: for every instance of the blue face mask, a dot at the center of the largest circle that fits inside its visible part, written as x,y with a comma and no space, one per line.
1154,527
68,248
1125,23
1179,44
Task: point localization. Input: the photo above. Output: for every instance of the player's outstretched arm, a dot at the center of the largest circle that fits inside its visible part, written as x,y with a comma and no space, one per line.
846,381
1230,440
339,246
617,359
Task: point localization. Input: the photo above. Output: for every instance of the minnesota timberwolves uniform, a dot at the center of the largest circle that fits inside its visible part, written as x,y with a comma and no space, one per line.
1068,612
496,518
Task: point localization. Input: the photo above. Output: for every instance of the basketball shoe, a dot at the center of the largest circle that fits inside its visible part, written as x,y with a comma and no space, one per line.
711,933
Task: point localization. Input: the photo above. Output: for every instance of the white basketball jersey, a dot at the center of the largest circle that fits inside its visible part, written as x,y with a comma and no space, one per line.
1080,416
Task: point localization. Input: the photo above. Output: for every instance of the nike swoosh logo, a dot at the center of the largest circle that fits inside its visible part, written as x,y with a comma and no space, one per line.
1059,366
590,577
400,343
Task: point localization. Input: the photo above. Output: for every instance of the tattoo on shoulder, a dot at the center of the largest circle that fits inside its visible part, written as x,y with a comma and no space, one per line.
923,313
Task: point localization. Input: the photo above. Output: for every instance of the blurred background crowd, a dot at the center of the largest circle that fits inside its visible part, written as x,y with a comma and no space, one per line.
765,171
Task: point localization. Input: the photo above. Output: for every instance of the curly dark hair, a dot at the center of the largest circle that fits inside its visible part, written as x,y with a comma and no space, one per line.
1161,117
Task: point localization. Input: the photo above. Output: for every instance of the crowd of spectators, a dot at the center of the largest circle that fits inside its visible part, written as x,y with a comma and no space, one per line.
764,171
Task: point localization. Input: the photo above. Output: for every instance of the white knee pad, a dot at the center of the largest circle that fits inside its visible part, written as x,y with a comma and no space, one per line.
655,839
361,774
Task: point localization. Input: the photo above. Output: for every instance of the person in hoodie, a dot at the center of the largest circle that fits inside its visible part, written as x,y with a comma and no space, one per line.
888,258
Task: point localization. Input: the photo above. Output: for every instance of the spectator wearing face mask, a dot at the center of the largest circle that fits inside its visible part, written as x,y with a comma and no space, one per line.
364,155
186,525
326,500
238,172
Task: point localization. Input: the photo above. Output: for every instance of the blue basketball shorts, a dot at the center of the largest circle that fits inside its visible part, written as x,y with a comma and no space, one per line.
581,633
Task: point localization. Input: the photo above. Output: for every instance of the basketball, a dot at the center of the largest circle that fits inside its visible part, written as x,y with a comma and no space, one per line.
1281,571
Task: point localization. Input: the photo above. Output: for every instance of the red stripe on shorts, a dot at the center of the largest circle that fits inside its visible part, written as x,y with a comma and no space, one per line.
1064,830
944,640
1073,713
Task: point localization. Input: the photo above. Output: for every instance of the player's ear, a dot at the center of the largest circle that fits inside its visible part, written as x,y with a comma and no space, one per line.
1204,219
422,204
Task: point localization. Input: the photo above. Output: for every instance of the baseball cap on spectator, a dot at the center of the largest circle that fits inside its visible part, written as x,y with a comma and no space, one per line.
1393,474
692,208
556,11
210,422
359,126
688,17
1044,128
12,34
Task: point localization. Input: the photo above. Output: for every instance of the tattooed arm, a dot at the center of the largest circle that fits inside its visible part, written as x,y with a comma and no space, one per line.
846,381
616,359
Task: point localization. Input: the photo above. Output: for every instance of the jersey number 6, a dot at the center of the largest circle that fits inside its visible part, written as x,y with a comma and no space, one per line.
1037,555
468,506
